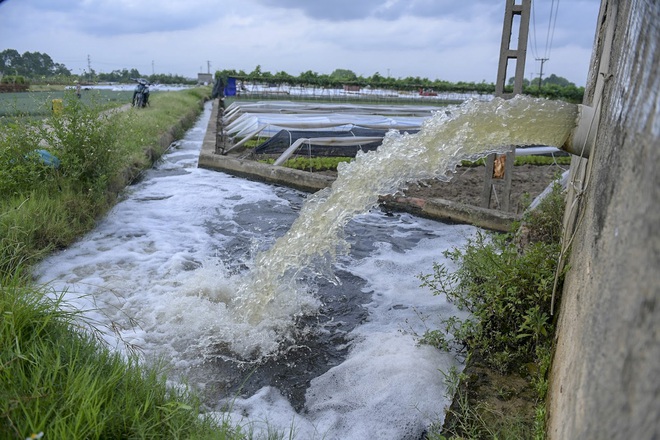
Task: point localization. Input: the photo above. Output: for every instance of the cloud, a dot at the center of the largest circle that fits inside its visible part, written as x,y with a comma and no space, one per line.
456,41
352,10
118,17
113,17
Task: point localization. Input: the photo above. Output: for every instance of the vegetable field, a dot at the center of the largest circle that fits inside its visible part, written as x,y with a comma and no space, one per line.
39,104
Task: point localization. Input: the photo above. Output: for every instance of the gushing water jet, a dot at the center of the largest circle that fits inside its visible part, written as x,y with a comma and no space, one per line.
467,132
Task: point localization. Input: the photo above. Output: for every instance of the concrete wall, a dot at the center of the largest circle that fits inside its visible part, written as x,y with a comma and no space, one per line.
605,378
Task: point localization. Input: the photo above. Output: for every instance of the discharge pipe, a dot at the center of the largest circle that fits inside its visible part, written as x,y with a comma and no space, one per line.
583,138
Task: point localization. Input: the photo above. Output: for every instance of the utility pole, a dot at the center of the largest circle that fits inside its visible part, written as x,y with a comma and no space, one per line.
89,66
208,66
542,60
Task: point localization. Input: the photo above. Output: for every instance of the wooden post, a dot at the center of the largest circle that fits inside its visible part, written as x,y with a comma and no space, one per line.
220,135
506,53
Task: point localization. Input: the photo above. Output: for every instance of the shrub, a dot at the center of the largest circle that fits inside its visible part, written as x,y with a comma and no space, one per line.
506,290
86,143
21,165
13,79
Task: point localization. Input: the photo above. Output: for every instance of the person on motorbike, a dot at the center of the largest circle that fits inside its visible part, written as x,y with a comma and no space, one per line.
141,93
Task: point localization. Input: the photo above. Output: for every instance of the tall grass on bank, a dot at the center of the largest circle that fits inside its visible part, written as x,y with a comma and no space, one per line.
59,380
43,207
505,282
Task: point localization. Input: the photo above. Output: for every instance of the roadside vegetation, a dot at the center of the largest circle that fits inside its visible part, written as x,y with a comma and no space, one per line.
57,378
45,207
505,282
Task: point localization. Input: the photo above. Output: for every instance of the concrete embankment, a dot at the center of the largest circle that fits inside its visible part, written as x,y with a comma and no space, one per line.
435,208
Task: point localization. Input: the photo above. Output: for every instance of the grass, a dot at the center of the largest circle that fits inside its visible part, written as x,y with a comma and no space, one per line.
505,282
57,378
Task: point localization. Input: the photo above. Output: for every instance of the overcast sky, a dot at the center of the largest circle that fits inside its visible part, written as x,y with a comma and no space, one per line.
436,39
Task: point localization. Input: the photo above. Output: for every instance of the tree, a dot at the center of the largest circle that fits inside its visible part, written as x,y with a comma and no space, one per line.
558,80
30,64
256,73
309,77
513,79
376,79
10,62
284,77
343,75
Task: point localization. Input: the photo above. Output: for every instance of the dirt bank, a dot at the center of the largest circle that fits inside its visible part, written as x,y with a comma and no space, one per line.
466,186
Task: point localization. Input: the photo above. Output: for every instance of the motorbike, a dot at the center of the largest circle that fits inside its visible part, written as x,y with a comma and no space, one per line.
141,93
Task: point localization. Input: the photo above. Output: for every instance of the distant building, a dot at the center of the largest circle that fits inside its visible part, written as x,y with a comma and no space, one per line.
204,78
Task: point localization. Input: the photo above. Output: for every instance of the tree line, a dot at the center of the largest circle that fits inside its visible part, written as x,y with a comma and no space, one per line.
39,67
553,86
30,64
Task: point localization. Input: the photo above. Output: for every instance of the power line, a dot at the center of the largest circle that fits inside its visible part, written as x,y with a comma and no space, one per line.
552,23
533,34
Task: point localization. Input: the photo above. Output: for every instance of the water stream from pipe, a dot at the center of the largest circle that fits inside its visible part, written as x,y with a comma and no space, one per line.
467,132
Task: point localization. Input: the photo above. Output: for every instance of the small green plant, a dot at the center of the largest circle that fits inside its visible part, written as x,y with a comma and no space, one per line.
504,291
313,164
507,291
481,421
85,141
452,380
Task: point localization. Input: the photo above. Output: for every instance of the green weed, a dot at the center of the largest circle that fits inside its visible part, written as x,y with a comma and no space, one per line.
505,281
507,291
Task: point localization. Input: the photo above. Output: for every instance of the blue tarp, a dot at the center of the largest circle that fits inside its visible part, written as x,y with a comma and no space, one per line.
230,87
47,159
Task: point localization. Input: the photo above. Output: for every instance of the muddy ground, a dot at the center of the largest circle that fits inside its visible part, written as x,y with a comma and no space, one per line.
467,183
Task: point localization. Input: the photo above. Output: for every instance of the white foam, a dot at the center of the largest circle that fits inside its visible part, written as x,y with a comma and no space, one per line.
162,258
389,386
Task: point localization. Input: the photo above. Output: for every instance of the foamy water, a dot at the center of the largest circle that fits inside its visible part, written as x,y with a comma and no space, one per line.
167,271
163,265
